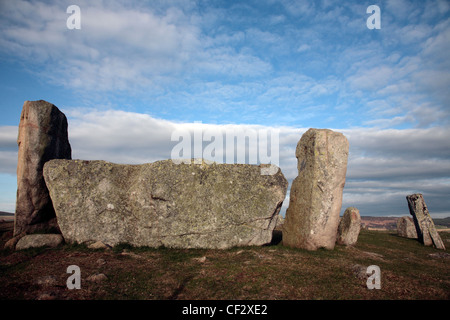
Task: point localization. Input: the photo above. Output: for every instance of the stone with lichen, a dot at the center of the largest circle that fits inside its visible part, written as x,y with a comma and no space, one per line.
193,205
312,217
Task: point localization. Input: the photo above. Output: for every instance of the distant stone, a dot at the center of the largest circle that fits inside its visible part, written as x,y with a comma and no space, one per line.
349,227
39,240
425,228
312,217
406,228
42,136
186,205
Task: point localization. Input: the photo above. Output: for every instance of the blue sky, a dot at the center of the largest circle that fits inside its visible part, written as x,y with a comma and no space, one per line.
138,69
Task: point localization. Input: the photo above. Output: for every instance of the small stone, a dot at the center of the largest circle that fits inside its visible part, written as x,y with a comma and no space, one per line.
99,277
349,227
200,260
98,245
406,228
39,240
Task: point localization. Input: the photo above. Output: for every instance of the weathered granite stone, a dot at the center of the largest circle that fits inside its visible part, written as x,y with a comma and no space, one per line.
426,231
39,240
312,217
165,204
42,136
406,228
280,221
349,227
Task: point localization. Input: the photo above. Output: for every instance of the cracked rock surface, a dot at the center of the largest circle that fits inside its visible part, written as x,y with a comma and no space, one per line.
185,205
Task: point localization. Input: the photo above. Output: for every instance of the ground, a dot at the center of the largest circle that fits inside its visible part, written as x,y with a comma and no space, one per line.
409,270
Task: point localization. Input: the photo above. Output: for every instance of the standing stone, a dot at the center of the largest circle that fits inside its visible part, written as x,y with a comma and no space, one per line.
196,205
426,231
406,228
349,227
312,217
42,136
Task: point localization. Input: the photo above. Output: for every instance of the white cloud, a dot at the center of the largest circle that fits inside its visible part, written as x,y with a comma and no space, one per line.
8,149
166,50
304,47
119,47
8,136
298,7
8,161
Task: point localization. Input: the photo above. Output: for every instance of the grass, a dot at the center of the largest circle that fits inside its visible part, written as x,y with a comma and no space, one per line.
265,273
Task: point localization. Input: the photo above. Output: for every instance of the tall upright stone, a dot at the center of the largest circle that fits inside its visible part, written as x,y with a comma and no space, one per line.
312,217
426,232
42,136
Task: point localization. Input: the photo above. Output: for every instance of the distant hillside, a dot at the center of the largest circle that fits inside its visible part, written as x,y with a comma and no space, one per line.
6,217
442,222
389,223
